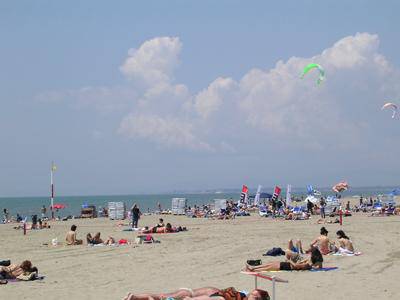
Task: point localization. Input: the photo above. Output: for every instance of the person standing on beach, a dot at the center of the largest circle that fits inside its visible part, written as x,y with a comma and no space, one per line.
322,204
310,206
43,210
159,207
6,215
135,213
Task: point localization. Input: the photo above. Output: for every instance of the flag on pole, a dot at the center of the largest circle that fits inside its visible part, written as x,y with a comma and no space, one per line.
243,195
257,197
276,193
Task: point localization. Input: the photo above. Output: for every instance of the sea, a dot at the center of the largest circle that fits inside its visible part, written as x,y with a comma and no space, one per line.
28,206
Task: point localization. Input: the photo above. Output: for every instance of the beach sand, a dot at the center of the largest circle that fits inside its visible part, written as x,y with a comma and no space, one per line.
210,253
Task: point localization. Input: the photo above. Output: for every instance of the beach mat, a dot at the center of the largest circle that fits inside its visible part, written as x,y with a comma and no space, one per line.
38,278
347,254
326,269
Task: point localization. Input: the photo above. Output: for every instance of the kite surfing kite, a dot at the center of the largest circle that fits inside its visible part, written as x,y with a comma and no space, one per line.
340,187
392,106
309,67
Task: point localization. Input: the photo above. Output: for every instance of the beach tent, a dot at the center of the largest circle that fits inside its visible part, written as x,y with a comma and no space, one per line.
332,205
219,204
179,206
116,210
312,199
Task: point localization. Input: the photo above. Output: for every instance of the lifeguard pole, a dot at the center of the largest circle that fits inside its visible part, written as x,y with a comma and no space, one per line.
53,168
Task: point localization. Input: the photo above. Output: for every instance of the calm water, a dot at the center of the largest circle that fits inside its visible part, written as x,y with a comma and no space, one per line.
27,206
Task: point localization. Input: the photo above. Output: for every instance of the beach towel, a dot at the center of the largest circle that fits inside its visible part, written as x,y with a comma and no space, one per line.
36,278
347,253
324,269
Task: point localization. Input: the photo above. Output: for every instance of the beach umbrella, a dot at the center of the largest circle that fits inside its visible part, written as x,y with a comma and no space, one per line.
340,187
59,206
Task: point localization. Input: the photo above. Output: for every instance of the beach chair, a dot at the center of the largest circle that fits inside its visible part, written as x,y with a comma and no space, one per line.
273,279
297,213
390,211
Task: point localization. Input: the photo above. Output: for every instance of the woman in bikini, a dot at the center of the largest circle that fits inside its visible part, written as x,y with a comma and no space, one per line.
314,262
322,242
345,244
13,271
207,293
95,240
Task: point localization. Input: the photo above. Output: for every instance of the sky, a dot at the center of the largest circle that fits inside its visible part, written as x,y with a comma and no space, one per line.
135,97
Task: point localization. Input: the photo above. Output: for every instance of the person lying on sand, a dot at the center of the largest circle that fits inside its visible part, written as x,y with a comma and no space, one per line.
71,237
167,229
95,240
13,271
314,262
294,253
331,220
206,293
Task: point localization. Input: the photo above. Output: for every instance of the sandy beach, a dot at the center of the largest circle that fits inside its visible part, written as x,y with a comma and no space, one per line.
210,253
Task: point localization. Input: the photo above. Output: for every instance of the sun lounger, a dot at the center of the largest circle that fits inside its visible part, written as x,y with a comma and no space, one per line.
273,279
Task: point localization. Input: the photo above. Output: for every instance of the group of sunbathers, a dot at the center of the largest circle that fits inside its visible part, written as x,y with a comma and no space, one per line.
162,228
294,253
71,238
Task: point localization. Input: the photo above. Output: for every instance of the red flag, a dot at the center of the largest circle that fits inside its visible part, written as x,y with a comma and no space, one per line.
277,190
245,189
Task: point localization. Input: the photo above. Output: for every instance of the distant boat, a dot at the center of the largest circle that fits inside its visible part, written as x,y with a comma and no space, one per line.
218,192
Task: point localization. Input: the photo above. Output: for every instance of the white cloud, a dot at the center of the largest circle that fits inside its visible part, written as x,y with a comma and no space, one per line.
278,102
154,61
164,131
210,99
261,106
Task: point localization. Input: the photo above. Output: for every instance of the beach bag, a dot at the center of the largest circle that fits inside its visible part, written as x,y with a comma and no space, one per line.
254,262
275,252
5,263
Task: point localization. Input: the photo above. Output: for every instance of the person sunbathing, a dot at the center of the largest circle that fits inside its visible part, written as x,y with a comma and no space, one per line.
322,242
294,252
71,237
314,262
13,271
167,229
345,244
95,240
206,293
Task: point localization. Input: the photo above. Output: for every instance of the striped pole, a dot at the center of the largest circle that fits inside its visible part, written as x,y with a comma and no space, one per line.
52,189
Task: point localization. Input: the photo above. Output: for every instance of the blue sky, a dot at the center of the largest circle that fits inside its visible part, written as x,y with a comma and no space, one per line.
211,108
